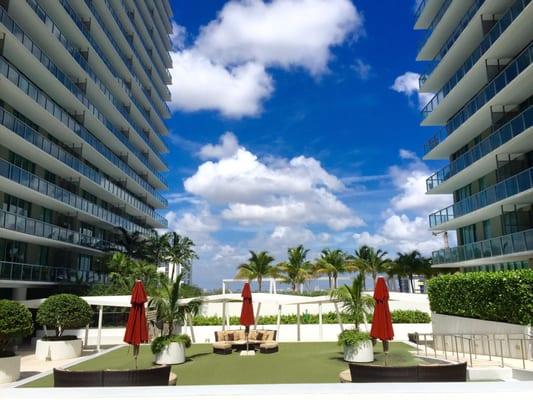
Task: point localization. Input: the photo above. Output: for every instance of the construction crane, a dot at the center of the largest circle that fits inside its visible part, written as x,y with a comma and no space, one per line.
445,237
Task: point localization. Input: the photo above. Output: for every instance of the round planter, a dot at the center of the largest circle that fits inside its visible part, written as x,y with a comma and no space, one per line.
57,349
364,352
9,369
174,353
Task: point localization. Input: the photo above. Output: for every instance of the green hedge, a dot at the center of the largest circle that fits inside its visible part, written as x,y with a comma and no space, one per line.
505,296
398,316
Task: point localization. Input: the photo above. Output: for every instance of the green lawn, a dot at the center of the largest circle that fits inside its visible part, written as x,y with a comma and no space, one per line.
294,363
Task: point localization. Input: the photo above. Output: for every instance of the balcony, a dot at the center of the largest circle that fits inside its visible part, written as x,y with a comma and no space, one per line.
74,89
512,247
52,234
107,187
499,137
13,271
497,195
476,55
53,109
69,199
519,64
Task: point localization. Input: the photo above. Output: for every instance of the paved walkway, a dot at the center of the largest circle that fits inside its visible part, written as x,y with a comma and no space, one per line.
30,366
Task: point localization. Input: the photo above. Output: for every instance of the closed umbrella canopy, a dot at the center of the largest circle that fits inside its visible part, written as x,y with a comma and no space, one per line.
382,320
137,328
247,311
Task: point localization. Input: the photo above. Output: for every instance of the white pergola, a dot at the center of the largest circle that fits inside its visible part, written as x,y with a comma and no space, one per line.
280,300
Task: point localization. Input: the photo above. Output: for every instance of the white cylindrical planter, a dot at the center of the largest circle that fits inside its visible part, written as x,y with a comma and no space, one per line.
362,353
58,349
174,353
9,369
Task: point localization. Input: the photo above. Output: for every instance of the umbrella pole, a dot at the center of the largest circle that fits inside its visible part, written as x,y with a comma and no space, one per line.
385,344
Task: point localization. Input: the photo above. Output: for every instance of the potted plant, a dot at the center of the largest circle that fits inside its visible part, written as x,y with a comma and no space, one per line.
61,312
170,347
357,345
15,323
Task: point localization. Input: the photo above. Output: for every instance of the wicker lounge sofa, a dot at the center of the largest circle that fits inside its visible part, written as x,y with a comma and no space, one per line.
420,373
157,376
236,339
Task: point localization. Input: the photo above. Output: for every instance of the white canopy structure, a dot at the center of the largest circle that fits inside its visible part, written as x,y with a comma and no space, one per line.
279,300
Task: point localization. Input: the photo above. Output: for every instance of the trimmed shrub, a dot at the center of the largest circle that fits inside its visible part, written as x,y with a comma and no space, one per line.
15,323
410,317
504,296
159,343
64,311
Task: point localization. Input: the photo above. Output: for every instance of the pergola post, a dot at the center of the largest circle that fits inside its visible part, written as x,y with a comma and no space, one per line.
298,322
278,321
223,315
339,319
257,315
191,327
100,322
320,333
86,341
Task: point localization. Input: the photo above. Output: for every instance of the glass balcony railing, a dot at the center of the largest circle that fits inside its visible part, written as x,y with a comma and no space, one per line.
463,23
32,136
442,10
38,96
474,57
509,187
14,271
420,8
35,227
128,35
499,137
159,90
511,71
74,89
500,246
32,181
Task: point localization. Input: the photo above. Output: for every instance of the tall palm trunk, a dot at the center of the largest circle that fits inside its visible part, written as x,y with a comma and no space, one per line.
412,284
259,282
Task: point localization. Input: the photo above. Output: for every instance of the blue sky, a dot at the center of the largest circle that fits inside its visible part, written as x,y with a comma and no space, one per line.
296,121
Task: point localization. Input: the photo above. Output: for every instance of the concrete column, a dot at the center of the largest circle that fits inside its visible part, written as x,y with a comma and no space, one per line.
19,293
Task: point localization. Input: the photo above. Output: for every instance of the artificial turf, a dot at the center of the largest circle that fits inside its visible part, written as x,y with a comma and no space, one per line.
294,363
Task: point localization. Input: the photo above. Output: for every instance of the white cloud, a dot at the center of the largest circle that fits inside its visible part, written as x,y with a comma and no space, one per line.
227,147
411,183
178,36
225,69
283,33
362,69
402,234
408,85
279,191
200,84
193,224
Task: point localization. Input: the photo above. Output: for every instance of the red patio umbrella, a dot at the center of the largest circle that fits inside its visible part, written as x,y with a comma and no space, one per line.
382,321
247,311
137,328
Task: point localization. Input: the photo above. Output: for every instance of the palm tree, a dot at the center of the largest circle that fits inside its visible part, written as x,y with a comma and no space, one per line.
169,311
296,270
134,243
124,271
410,264
181,252
158,247
332,263
258,266
354,303
371,261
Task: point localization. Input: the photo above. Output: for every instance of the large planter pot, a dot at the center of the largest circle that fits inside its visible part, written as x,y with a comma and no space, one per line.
9,369
173,353
362,353
57,349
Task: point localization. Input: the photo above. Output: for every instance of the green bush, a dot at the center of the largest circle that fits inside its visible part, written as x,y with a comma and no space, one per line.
505,296
159,343
410,317
15,323
64,311
351,337
398,317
